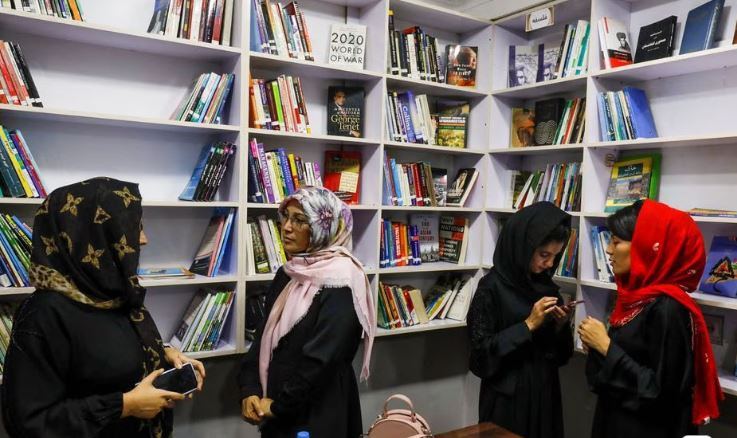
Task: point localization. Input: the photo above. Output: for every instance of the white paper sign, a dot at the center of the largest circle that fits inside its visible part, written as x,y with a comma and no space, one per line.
347,45
540,18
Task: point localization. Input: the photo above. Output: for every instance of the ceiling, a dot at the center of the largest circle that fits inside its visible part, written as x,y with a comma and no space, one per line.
487,9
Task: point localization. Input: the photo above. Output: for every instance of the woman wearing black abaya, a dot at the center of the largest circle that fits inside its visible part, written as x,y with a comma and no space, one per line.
83,340
519,328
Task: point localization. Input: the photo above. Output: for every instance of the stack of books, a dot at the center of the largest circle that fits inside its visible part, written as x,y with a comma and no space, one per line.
164,273
208,174
410,120
19,173
600,238
7,311
214,243
53,8
15,251
558,183
567,266
279,105
399,244
405,306
16,83
544,62
266,249
207,101
625,115
203,321
274,175
280,30
207,21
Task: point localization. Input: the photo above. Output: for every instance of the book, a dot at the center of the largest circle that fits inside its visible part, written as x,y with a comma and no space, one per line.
453,235
614,42
440,185
548,115
707,212
600,238
15,252
461,187
278,105
428,227
452,131
632,179
203,320
17,86
207,100
458,308
522,65
720,275
558,183
214,243
547,58
208,21
342,174
461,65
208,174
345,111
638,107
656,40
701,27
625,115
522,129
567,265
164,273
347,45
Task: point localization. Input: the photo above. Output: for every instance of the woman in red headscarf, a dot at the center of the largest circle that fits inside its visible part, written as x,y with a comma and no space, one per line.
654,371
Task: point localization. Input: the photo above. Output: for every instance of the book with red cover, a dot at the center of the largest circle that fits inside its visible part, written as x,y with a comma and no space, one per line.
342,174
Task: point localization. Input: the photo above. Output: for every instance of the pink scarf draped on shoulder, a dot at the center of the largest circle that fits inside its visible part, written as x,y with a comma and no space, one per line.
327,263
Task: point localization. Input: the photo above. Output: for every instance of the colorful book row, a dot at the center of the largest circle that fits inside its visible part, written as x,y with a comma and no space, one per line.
410,184
625,115
279,105
71,9
16,83
19,173
567,265
266,251
280,30
410,120
207,21
207,101
203,321
558,183
207,176
15,252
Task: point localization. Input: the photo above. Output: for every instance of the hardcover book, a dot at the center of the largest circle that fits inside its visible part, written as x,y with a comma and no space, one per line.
453,239
615,44
461,187
427,225
522,65
345,111
342,174
547,117
656,40
720,275
452,130
461,67
523,128
701,27
632,179
547,57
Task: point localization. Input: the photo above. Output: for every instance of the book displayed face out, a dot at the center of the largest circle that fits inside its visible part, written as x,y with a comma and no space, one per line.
345,111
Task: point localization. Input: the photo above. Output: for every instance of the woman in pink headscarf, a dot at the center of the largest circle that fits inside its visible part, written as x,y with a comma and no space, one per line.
298,375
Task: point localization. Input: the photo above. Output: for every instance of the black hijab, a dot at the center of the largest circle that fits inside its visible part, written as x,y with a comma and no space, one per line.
524,232
86,247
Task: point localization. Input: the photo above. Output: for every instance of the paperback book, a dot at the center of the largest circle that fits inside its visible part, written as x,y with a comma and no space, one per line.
632,179
461,69
461,187
656,40
343,174
345,111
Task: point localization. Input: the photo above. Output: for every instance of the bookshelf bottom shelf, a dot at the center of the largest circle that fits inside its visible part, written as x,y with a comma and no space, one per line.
430,326
729,383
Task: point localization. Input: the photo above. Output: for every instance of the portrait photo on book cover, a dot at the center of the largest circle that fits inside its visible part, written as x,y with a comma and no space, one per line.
345,111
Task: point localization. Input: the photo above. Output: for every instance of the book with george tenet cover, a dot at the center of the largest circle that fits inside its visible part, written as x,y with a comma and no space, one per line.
345,111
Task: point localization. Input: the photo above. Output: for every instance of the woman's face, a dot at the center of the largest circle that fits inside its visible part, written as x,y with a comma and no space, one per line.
544,257
295,229
619,255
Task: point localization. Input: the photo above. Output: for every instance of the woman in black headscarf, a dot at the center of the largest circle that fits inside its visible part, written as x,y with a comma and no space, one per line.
518,326
83,341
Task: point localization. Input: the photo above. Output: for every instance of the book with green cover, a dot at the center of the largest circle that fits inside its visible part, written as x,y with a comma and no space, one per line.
633,178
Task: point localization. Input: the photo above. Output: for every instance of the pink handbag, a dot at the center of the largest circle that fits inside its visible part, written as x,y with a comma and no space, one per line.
399,423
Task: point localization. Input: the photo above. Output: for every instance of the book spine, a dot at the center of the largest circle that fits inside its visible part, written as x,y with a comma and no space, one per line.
30,163
286,172
15,74
266,174
303,24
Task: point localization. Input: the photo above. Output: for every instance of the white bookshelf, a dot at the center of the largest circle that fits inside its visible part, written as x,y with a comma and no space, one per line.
109,88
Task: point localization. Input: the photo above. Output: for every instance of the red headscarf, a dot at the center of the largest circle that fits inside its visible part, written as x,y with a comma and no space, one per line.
667,258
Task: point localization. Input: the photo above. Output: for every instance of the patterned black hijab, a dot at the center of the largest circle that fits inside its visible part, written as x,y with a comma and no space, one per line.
521,235
86,247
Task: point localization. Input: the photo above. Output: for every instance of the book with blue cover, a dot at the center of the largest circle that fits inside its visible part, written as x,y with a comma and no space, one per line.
701,27
643,124
720,275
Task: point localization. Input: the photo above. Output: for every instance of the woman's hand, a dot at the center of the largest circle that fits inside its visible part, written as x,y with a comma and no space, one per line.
251,410
176,358
593,335
561,315
145,401
266,407
540,310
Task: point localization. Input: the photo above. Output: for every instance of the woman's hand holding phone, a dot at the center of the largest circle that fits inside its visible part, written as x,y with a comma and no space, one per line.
176,359
146,401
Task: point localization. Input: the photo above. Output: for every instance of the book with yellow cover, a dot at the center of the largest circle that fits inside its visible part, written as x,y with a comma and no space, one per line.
633,178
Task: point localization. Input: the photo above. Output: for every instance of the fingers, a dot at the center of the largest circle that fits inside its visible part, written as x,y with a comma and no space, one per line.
170,395
199,366
150,378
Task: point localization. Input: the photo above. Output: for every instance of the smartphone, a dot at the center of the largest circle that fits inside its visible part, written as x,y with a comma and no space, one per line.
182,380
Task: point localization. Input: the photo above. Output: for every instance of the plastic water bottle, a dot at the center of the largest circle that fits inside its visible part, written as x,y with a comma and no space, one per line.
303,434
